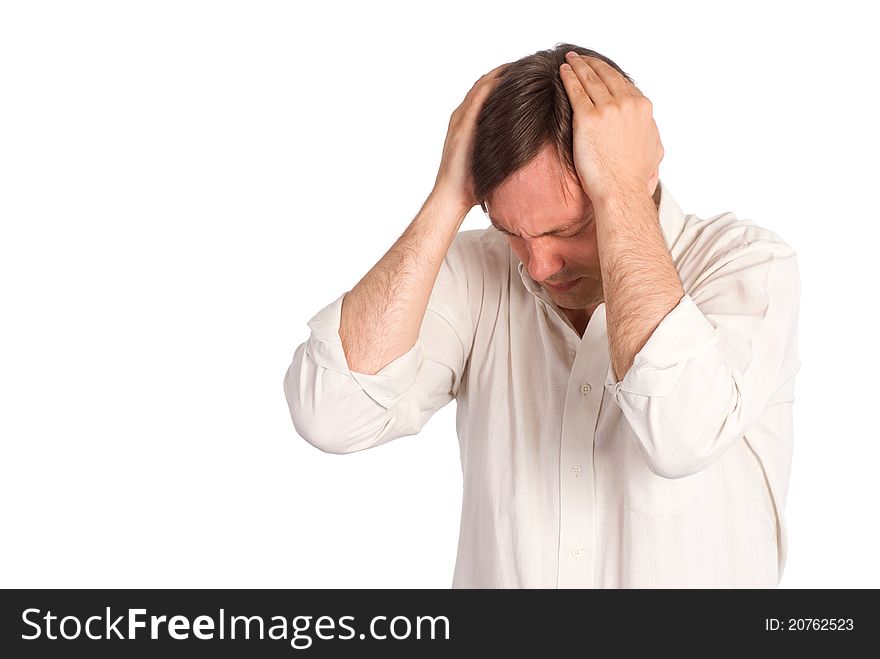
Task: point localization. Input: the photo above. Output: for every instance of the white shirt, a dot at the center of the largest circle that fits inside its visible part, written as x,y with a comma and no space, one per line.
674,477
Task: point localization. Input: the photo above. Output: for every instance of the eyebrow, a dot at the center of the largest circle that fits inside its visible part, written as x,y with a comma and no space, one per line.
569,227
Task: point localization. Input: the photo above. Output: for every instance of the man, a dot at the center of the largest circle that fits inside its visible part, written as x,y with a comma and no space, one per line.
623,372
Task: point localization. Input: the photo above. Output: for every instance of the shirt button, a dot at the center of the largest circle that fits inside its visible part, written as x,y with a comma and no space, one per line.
577,552
576,471
586,388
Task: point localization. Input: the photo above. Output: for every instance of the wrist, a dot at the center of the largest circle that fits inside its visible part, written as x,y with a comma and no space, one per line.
621,198
446,205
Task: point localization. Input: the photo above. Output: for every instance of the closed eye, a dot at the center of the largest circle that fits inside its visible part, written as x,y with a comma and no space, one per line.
572,235
579,231
556,235
582,228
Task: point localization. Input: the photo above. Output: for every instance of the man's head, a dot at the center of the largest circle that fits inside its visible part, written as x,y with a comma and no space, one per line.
524,176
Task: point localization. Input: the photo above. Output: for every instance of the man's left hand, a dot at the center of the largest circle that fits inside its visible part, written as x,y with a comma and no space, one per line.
616,143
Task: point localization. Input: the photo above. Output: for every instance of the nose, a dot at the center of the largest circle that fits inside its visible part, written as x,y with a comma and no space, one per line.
544,262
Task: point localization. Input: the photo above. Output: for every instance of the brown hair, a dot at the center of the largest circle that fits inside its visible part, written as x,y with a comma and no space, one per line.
527,110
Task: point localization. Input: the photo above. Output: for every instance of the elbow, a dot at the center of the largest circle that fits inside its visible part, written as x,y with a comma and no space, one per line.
677,444
675,449
325,435
315,431
674,462
332,422
311,424
323,441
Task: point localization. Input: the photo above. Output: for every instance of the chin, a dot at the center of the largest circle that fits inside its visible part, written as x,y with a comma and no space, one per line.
579,297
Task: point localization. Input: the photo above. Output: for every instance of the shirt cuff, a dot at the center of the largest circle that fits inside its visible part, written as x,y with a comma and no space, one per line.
683,334
385,386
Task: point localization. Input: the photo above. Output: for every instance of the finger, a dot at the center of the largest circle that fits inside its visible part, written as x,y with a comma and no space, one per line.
492,75
487,81
480,91
604,69
498,68
616,84
577,96
591,82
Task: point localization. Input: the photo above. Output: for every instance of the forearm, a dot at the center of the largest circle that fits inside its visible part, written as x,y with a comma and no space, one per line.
381,316
640,282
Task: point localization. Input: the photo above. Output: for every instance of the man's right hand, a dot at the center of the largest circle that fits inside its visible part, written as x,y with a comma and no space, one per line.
381,317
453,181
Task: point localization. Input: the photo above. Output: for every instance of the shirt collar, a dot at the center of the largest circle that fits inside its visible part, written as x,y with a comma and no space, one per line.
671,223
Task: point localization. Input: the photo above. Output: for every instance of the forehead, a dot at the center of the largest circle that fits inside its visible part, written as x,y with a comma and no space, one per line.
539,197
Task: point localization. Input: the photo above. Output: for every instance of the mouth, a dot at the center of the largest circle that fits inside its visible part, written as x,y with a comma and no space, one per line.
562,287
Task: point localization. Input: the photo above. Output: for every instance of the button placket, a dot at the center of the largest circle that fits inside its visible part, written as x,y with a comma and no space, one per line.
577,532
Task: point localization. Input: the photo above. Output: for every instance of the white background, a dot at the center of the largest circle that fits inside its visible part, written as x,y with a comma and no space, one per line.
183,185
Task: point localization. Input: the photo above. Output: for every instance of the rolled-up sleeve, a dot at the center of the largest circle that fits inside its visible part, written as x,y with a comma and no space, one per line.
715,361
340,411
